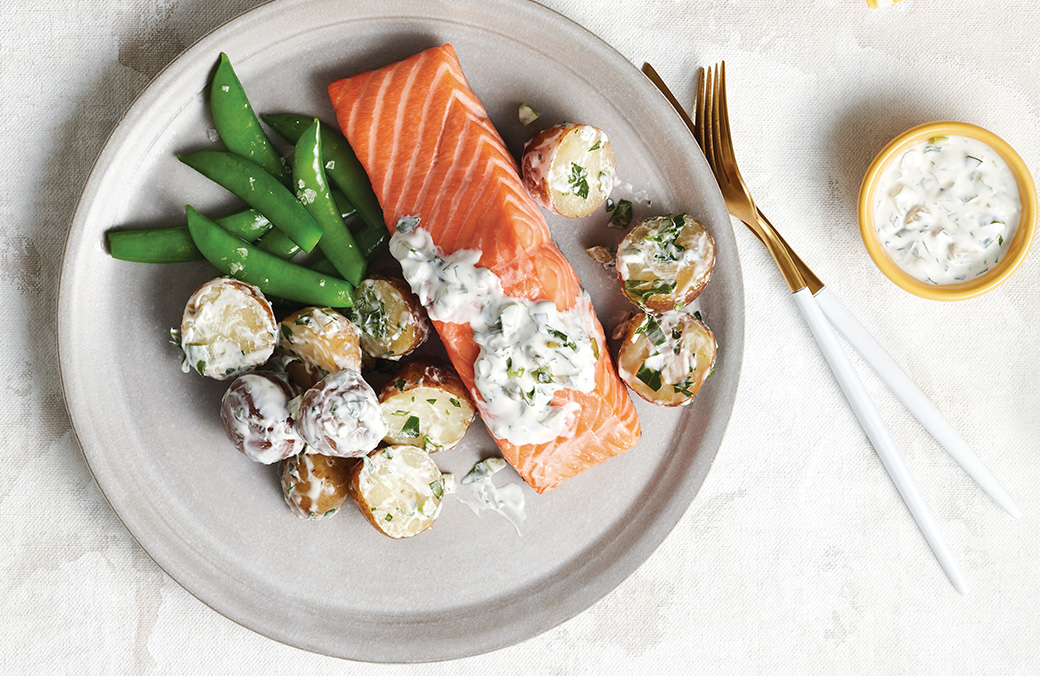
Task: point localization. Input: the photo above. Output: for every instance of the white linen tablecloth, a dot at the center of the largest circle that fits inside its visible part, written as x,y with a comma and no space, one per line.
797,555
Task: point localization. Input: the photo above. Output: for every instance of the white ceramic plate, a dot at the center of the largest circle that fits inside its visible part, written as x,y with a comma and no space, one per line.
215,521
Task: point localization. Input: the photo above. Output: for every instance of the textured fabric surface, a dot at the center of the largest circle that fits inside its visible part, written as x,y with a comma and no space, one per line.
797,556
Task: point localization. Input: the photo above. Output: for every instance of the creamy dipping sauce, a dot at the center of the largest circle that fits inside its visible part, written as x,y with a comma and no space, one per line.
529,350
947,209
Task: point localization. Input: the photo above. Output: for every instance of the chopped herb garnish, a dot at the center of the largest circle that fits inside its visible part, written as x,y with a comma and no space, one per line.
515,373
406,224
437,488
330,512
683,386
388,454
710,374
578,180
542,375
455,402
175,337
431,401
286,332
622,217
652,330
667,236
410,428
562,337
595,146
643,289
697,314
389,517
610,204
1000,240
399,385
200,366
650,377
288,489
370,314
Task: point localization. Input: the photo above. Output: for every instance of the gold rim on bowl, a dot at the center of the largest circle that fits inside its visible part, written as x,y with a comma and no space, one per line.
1017,250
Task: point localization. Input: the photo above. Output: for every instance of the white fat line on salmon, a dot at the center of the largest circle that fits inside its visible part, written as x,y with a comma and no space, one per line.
529,350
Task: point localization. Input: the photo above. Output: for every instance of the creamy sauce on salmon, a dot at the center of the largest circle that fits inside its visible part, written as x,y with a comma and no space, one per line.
529,350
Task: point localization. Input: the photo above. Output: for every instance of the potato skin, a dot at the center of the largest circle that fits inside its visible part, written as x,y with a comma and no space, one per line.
549,160
681,266
340,416
256,419
390,319
227,328
316,486
682,364
419,373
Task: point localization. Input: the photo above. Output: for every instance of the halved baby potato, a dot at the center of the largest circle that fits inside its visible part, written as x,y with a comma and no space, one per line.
569,169
426,405
323,340
666,358
399,489
340,416
256,418
228,328
315,486
666,262
389,317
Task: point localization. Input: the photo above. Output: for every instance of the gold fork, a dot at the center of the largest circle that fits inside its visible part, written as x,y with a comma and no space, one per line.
712,131
808,276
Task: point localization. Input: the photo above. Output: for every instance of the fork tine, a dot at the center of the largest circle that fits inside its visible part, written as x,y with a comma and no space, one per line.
719,141
710,141
724,128
698,111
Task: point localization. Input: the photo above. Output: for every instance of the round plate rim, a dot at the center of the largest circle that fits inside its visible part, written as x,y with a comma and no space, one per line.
613,575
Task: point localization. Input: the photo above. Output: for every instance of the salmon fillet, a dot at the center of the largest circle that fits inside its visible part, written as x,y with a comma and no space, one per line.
430,150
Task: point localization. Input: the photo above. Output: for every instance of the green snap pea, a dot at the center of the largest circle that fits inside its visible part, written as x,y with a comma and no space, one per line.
278,243
260,191
371,242
272,275
237,123
174,244
341,165
312,189
323,265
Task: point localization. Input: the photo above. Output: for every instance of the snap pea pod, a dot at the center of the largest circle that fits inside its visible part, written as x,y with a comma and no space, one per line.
272,275
259,190
278,243
237,123
312,189
372,247
341,164
323,265
174,244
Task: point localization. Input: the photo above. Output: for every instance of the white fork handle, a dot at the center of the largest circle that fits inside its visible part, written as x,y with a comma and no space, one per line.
878,434
912,397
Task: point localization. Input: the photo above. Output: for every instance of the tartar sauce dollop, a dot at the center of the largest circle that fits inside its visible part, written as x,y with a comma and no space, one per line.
947,209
